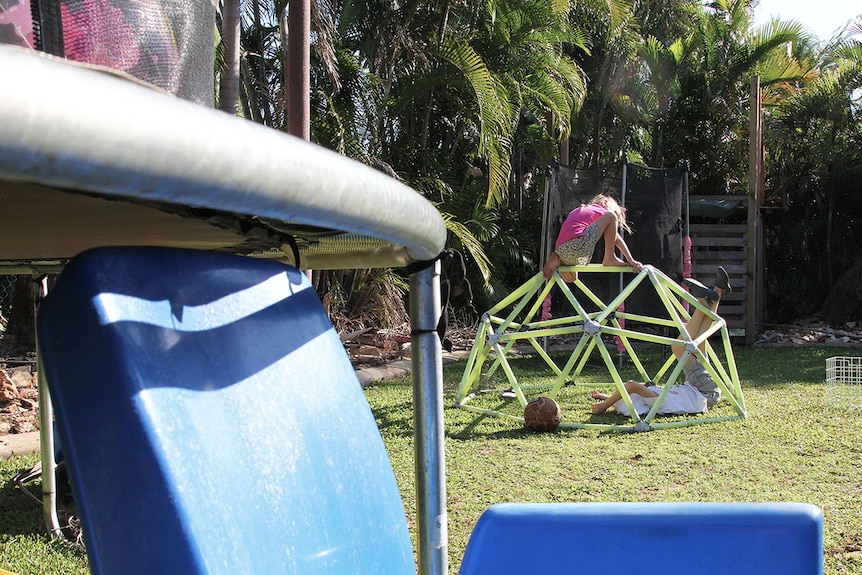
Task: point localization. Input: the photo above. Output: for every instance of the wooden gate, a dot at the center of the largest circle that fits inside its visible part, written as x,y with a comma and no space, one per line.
727,245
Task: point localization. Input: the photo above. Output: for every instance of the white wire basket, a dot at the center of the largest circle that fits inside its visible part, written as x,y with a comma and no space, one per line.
844,381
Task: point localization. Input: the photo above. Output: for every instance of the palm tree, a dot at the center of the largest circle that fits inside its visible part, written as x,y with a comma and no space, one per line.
816,162
494,67
613,33
655,94
228,20
706,122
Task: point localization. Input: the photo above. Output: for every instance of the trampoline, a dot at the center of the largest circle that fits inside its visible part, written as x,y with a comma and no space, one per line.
91,158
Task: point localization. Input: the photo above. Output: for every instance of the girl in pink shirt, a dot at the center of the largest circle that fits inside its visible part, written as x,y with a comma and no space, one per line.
581,232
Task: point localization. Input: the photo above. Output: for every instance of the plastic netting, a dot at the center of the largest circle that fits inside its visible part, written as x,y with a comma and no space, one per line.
7,290
654,202
16,23
167,43
844,381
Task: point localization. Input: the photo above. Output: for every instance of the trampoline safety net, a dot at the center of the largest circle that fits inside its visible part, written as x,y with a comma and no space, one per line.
167,43
654,199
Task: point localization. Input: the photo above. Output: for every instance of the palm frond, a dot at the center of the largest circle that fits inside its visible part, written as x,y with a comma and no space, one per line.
495,112
471,244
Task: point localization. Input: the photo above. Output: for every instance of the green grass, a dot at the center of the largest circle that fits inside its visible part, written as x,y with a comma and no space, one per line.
794,446
25,549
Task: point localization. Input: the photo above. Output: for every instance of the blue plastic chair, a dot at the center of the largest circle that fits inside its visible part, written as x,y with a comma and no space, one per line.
211,421
670,538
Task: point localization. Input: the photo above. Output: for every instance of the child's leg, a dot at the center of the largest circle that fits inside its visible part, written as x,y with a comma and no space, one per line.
697,325
570,277
552,264
694,373
627,254
632,387
607,224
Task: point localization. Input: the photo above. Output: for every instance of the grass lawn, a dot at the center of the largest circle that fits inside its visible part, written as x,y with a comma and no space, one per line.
795,445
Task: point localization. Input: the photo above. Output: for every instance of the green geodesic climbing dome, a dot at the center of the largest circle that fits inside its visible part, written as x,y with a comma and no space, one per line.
515,325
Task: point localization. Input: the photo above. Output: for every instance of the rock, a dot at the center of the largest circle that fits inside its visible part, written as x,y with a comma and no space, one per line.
8,392
24,426
370,350
371,338
354,334
22,377
27,404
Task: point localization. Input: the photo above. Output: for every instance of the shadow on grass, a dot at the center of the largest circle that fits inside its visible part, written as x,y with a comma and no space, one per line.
764,369
395,420
472,429
19,513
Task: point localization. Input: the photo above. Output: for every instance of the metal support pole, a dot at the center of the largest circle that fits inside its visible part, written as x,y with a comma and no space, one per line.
623,194
623,198
49,464
430,462
547,207
687,199
548,242
46,442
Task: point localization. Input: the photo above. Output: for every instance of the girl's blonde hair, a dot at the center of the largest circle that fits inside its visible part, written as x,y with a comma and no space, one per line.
611,205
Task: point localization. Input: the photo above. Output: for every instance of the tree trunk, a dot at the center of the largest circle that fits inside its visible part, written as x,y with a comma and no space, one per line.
229,86
606,75
298,84
19,339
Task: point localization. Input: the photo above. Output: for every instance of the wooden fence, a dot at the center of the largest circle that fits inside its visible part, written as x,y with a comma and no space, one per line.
726,245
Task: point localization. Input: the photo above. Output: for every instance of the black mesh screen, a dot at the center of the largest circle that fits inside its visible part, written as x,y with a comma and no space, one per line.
574,187
653,202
